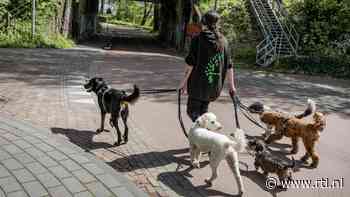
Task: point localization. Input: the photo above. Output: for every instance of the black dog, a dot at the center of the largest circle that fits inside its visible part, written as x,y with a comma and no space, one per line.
114,102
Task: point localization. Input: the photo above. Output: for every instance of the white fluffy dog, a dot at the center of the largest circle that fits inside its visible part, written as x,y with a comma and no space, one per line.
202,139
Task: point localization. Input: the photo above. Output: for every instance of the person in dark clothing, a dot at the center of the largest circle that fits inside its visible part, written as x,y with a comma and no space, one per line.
208,63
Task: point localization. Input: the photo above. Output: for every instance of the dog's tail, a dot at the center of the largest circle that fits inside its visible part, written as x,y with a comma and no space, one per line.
240,142
311,108
132,98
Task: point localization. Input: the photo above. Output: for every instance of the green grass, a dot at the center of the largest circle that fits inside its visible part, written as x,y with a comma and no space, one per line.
25,40
112,20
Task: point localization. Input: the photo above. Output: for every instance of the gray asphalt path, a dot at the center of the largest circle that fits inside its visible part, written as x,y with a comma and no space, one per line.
44,88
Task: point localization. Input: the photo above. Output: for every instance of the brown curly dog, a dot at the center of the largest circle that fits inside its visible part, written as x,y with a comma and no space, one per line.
295,128
274,119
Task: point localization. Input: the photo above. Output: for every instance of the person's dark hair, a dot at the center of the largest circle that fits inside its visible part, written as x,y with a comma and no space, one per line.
211,20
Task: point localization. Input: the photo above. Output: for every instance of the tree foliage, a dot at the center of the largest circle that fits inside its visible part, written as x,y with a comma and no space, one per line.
140,13
324,26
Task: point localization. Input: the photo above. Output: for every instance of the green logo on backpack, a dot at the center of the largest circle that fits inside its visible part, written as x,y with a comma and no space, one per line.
212,71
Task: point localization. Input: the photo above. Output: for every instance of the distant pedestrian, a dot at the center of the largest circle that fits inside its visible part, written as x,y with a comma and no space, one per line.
208,63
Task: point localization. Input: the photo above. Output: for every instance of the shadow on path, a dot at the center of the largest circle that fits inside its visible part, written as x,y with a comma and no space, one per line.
81,138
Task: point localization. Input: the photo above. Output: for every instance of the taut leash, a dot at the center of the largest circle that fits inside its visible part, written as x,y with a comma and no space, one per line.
245,111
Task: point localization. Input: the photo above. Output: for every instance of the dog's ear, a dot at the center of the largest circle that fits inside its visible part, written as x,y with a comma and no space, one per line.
256,107
202,120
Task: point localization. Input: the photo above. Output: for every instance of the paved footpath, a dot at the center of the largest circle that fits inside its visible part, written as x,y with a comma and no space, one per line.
35,163
44,87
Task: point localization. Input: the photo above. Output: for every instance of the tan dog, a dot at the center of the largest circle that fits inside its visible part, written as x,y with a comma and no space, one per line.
274,119
295,128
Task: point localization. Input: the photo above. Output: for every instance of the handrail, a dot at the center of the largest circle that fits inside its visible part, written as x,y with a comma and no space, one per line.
267,19
270,48
261,24
263,50
292,33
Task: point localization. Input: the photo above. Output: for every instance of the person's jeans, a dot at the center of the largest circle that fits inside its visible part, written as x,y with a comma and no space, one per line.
196,108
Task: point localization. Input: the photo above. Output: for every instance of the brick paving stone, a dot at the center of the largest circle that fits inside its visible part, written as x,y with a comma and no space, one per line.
73,185
9,184
108,180
12,164
70,165
66,150
10,136
17,194
3,141
34,188
44,147
58,156
93,168
23,175
35,152
36,168
59,192
32,140
4,155
85,194
60,172
22,144
41,136
3,172
12,149
84,176
47,161
121,191
79,158
48,180
98,189
24,158
4,130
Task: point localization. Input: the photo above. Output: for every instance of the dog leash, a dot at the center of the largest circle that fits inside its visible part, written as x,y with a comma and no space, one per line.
235,106
179,114
157,91
153,91
245,111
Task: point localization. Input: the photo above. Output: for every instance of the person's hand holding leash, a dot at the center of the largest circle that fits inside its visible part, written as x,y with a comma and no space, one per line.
232,90
183,88
183,84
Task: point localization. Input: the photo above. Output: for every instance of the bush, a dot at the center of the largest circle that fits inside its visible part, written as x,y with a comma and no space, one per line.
311,65
25,40
321,23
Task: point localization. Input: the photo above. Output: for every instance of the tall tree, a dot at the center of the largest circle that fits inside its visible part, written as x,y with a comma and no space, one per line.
146,12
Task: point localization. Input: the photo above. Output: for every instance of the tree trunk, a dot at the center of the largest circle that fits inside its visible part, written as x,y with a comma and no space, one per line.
102,8
67,18
146,14
156,21
143,21
168,23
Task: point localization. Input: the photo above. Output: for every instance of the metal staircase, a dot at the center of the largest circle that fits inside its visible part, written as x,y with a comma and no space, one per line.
280,37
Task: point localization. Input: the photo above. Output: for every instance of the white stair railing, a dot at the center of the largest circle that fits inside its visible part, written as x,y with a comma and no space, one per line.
270,48
266,52
289,29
